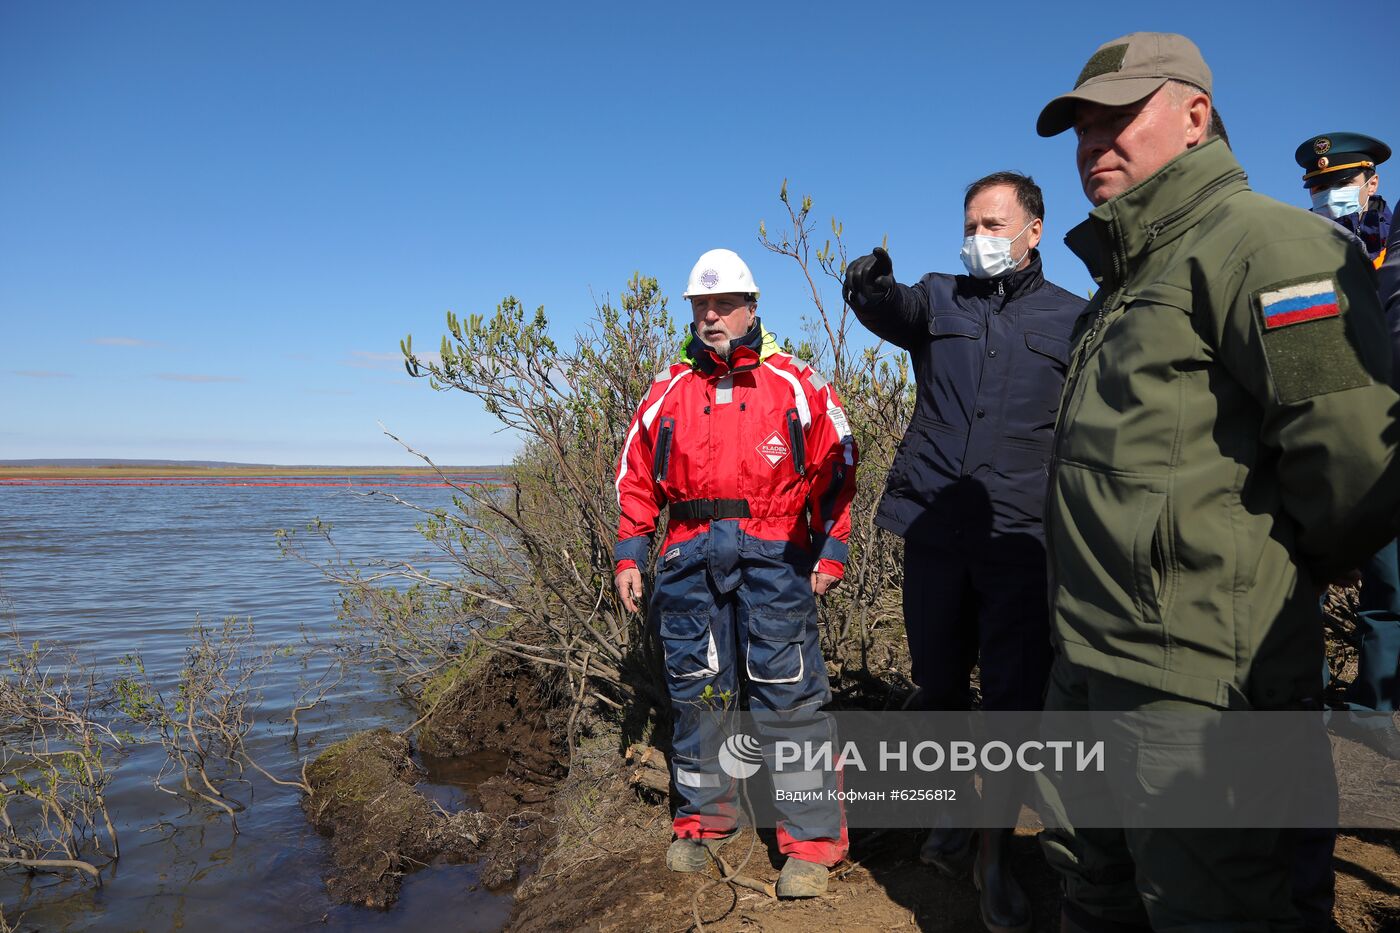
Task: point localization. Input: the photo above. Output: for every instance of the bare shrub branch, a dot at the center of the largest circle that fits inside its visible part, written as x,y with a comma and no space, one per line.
530,557
204,721
55,754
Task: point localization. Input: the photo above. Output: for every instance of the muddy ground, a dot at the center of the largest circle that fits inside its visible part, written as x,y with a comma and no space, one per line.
592,844
605,870
605,867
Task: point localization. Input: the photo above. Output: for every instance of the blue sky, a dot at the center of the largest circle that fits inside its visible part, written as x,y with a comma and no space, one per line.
218,219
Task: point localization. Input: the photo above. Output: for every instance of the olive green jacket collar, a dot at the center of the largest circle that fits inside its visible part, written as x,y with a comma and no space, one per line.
1121,232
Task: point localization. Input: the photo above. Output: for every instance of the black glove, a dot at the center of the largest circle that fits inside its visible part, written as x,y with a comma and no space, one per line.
869,279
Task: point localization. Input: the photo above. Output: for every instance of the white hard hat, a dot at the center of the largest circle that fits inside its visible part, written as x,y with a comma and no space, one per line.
720,271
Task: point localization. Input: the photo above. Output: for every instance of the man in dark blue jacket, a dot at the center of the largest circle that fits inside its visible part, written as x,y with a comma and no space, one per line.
968,484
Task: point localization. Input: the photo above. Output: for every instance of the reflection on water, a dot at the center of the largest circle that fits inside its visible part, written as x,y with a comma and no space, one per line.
450,780
111,570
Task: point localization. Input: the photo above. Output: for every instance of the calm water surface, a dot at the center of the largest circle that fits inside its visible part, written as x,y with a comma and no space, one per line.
109,570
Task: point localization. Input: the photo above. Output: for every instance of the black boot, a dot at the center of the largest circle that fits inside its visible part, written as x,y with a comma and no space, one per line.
1076,920
1005,907
949,850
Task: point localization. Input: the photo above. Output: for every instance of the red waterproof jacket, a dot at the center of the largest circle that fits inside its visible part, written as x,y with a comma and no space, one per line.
761,427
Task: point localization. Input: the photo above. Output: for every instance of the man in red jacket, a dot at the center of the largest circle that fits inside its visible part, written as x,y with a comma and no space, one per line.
740,442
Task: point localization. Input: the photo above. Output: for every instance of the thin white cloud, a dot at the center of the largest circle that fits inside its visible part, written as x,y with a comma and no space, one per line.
41,374
365,359
197,377
368,359
123,342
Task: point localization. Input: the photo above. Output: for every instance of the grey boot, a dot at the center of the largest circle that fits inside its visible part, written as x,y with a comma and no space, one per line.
692,854
801,878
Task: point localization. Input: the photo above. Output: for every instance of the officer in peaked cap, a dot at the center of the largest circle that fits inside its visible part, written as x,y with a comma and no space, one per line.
1339,171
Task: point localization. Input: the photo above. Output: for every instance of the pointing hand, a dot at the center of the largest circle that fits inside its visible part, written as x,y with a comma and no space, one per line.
869,278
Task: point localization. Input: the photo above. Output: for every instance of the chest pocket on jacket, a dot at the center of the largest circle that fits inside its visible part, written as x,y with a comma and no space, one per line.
1056,348
1037,389
953,324
951,367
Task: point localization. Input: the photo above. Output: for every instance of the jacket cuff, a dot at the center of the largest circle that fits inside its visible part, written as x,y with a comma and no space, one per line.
632,549
624,565
831,567
832,549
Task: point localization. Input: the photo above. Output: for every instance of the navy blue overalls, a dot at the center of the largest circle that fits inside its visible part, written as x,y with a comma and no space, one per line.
727,599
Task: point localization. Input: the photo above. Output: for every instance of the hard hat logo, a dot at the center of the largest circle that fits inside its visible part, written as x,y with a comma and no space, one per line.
720,271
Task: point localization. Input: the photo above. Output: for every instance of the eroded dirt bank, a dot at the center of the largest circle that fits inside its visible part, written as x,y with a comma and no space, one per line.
381,826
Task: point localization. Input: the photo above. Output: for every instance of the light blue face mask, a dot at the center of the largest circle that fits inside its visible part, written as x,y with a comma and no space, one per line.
987,257
1337,202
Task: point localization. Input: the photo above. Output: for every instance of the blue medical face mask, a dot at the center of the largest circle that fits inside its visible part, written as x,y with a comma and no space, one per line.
1337,202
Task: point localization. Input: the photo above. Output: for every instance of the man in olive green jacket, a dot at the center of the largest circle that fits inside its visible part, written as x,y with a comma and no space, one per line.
1226,445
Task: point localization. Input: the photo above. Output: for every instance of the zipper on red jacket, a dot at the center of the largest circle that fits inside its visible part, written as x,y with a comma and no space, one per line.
661,460
796,441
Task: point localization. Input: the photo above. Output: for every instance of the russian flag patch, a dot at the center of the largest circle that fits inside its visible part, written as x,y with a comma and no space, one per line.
1299,302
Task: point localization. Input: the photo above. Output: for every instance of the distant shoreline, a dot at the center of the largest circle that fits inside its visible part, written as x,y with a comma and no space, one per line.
170,472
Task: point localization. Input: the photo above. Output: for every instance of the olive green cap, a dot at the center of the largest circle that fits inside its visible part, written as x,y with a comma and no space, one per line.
1124,71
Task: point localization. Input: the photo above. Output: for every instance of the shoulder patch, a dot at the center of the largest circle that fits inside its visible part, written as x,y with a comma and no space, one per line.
664,375
1298,302
1314,360
839,422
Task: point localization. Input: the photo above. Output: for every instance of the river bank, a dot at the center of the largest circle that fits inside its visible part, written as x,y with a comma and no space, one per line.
105,572
365,792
